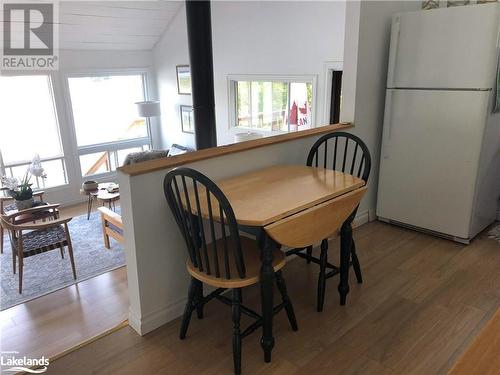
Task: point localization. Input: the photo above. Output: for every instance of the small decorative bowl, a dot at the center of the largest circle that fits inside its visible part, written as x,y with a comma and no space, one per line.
90,185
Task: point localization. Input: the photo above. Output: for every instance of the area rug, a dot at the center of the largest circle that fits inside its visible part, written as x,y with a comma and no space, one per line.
495,233
48,272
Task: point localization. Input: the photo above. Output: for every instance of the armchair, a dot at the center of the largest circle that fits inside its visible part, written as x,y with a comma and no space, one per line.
111,226
29,239
4,209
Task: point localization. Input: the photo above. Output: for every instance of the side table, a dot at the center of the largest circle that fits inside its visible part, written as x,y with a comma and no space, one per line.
101,194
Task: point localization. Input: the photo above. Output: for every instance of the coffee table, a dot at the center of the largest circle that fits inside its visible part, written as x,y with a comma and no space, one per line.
106,197
101,194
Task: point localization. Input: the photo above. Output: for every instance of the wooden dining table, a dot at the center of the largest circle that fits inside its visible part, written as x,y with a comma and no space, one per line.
263,198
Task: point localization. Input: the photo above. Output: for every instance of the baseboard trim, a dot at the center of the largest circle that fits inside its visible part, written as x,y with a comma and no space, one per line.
361,218
155,319
73,202
372,214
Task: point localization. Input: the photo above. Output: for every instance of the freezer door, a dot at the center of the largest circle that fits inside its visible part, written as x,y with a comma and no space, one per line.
429,162
445,48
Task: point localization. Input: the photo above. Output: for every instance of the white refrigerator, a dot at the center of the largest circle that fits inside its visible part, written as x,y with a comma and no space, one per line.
440,156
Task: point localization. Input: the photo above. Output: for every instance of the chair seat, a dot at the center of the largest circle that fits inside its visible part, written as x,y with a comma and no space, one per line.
42,240
251,252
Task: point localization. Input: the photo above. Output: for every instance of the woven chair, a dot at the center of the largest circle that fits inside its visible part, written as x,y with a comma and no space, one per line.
30,239
4,209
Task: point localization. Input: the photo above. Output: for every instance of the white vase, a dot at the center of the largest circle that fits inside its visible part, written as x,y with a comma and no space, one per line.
23,205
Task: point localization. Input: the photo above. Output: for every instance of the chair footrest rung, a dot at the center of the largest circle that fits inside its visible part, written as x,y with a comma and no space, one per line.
278,308
258,323
245,310
251,328
317,261
335,271
212,295
294,252
332,273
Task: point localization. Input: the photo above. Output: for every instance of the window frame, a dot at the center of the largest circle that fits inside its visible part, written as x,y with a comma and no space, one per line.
328,68
62,157
232,80
110,147
4,168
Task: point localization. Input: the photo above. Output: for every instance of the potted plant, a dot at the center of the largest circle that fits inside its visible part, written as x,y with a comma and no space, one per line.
21,190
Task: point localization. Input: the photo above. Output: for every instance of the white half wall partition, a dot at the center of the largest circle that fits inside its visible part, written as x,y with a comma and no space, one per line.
154,247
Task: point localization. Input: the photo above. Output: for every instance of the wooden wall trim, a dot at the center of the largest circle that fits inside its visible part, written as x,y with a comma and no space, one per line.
174,161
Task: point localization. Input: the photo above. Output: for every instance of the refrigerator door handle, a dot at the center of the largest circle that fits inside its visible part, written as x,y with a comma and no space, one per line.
393,51
386,139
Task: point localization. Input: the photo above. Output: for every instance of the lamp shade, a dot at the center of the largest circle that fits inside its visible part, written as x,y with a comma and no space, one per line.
148,108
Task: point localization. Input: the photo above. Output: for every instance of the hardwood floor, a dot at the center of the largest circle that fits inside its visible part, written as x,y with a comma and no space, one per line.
54,323
483,356
423,301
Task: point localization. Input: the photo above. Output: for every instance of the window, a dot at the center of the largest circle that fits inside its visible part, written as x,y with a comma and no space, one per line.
106,161
106,120
29,126
272,105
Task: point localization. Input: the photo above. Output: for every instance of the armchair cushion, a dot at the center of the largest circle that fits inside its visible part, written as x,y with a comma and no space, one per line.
138,157
178,150
42,240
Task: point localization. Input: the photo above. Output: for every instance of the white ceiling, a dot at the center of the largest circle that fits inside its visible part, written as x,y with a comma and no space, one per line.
123,25
113,25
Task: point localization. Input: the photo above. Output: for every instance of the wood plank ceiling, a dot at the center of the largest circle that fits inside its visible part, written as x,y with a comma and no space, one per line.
112,25
117,25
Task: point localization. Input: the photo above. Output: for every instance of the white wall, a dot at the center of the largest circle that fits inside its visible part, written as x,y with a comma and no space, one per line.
172,50
86,61
368,25
276,38
251,37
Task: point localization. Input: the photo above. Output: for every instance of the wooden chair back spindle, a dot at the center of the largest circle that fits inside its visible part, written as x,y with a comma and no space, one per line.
212,238
349,154
342,152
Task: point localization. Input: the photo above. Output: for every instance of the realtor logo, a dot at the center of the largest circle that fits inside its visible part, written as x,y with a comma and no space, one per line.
29,40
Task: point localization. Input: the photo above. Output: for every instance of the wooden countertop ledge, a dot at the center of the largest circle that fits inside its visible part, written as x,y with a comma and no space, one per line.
174,161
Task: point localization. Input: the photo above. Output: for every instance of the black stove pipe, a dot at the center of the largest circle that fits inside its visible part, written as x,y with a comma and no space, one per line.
199,31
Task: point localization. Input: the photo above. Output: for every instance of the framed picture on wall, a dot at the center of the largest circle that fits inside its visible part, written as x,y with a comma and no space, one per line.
187,119
183,79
